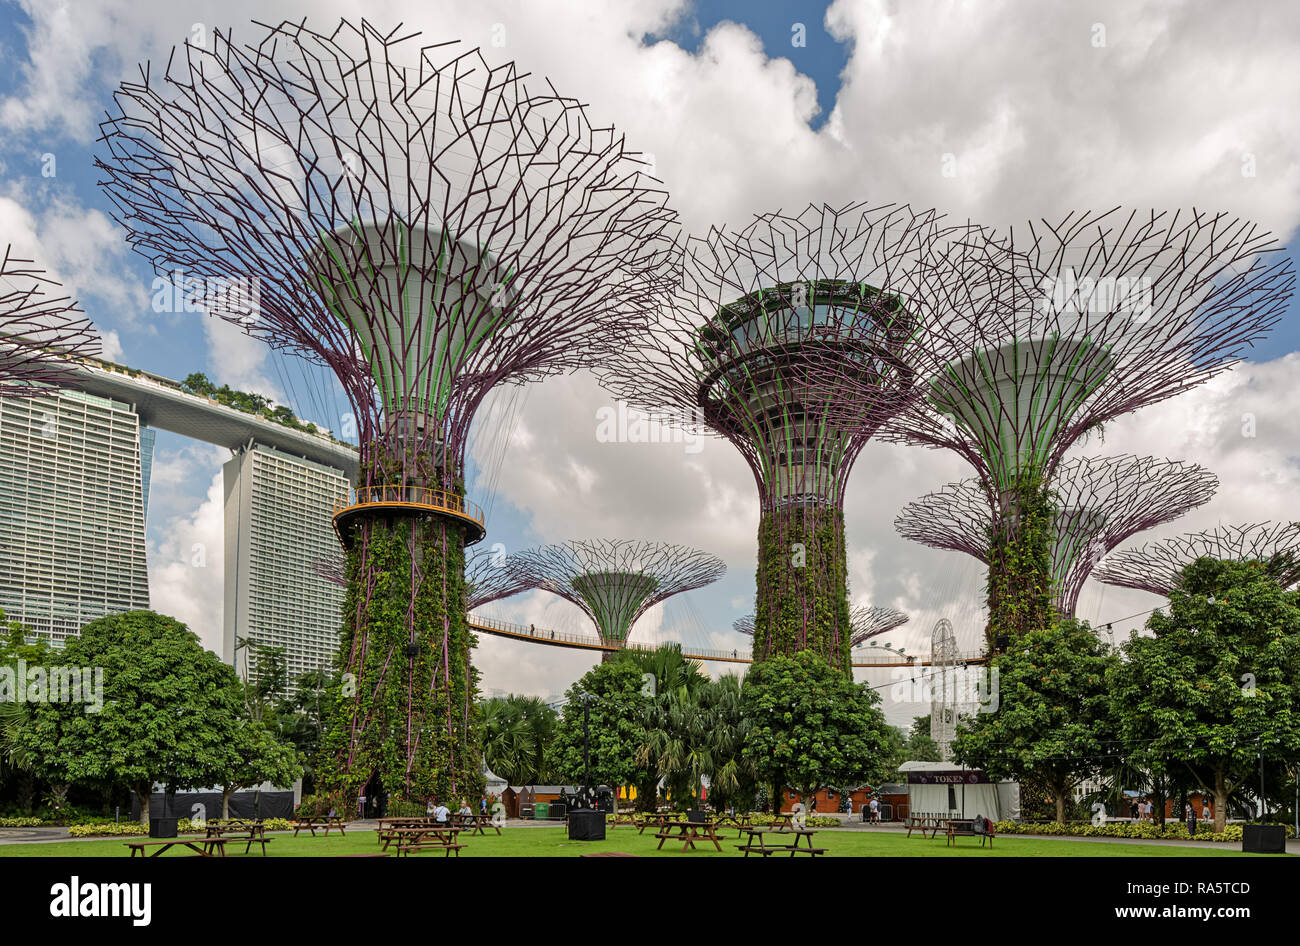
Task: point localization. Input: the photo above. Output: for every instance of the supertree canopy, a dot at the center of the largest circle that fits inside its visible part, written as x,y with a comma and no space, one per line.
429,226
1034,337
615,581
1158,566
39,334
1097,503
731,355
865,622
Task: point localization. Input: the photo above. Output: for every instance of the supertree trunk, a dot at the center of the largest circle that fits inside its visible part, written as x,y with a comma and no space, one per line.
407,716
802,600
1020,580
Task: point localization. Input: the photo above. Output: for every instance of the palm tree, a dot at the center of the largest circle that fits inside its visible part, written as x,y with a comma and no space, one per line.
517,735
669,725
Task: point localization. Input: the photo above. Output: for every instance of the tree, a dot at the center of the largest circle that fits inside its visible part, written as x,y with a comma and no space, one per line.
170,710
671,723
16,761
1217,683
256,756
1052,711
617,725
811,726
732,779
198,383
518,737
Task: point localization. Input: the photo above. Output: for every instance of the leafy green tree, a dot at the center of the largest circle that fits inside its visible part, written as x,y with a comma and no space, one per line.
17,765
617,725
811,726
1218,681
1052,713
256,756
198,383
170,712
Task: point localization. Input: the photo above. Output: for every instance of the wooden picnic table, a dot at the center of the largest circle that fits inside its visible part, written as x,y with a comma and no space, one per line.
923,823
324,821
441,837
205,846
688,832
659,820
763,849
475,823
254,831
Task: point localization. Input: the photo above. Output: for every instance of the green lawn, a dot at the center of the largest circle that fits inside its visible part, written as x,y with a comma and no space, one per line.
552,842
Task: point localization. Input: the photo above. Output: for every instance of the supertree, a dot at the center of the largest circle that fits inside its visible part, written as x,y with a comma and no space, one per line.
865,623
1097,503
1158,566
40,335
428,226
615,581
730,357
1035,337
488,577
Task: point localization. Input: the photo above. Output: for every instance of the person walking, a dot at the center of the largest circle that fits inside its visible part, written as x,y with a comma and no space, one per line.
875,810
1190,814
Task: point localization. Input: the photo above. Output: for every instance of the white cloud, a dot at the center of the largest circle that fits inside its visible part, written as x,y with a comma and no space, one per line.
186,571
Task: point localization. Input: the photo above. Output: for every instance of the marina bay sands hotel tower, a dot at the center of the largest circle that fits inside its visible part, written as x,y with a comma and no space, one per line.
74,498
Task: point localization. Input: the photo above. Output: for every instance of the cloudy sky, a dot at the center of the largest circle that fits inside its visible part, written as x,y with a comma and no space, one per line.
997,112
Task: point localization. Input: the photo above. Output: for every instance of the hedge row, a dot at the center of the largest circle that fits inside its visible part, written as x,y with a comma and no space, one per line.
1147,830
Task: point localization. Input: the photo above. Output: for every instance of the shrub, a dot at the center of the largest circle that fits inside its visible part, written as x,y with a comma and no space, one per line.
122,829
278,824
20,822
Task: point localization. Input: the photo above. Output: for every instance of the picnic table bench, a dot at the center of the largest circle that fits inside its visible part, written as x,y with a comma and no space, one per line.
924,822
475,823
428,837
658,820
965,828
763,849
688,832
324,821
204,846
253,831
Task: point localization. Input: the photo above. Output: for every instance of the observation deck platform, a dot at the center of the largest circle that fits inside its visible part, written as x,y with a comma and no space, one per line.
378,502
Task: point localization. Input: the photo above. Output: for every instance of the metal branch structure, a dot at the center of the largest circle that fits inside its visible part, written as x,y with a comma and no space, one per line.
1098,503
39,334
488,577
867,623
1033,337
429,225
615,581
731,357
1158,566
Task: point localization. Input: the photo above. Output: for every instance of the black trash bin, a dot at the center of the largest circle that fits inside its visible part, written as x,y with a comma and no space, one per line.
697,815
586,824
162,827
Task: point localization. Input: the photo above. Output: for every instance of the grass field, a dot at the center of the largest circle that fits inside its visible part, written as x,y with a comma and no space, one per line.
552,842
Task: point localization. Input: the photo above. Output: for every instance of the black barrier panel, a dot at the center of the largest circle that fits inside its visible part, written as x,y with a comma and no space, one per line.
242,805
